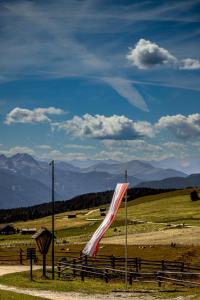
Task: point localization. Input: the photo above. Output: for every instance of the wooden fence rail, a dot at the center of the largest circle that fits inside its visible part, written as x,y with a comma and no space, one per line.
79,268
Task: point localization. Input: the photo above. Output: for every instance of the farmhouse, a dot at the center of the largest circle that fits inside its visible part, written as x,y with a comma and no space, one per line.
28,230
7,229
71,216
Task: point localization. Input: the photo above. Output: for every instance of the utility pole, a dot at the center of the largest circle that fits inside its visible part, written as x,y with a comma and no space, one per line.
53,213
126,234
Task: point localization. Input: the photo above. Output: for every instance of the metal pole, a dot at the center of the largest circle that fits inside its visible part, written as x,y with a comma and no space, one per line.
53,213
126,234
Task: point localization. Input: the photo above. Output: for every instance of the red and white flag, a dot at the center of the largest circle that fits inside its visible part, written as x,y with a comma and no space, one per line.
92,246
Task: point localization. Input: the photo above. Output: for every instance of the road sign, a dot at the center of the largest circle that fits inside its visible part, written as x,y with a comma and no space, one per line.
31,254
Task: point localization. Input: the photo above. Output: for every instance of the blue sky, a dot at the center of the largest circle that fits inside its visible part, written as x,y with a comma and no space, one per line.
100,79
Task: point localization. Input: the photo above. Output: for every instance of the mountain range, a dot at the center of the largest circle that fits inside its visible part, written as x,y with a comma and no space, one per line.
192,180
25,180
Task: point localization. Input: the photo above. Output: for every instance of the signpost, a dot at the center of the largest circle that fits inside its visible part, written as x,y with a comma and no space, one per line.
43,239
31,255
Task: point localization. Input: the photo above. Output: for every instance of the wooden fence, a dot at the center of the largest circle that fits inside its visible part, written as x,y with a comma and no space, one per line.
112,268
72,264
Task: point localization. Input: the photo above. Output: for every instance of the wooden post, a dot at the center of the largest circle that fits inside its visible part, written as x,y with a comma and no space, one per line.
106,275
44,266
31,270
74,267
59,269
158,278
86,260
130,278
182,267
82,274
112,261
163,265
136,265
21,256
139,263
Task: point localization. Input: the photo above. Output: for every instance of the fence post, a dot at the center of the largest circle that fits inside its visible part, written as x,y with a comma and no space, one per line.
130,278
106,275
163,265
112,261
182,267
136,265
158,278
74,267
139,263
82,274
20,256
59,269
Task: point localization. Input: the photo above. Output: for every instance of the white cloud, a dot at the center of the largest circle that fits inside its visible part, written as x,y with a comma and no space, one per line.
133,146
64,156
121,128
174,146
102,127
44,147
190,64
184,127
17,149
78,146
37,115
147,54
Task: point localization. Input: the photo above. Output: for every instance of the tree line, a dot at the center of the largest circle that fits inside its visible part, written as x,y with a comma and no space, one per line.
85,201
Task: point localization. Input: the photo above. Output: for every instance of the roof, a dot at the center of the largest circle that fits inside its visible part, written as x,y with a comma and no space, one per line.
29,229
3,226
41,231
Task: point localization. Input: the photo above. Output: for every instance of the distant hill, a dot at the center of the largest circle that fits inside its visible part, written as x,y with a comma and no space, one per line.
141,170
77,203
27,181
173,183
17,190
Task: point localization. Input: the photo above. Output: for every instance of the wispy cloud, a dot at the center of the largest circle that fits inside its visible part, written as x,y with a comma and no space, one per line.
125,88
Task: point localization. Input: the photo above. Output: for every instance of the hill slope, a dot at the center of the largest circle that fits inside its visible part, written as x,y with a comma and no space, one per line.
173,183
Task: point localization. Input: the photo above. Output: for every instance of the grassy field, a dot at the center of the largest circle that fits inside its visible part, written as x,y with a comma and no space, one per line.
153,223
152,220
91,286
145,214
5,295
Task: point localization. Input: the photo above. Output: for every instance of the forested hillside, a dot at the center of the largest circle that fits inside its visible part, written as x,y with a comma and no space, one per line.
80,202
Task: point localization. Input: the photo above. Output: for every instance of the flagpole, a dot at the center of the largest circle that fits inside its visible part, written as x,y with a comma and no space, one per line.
53,214
126,234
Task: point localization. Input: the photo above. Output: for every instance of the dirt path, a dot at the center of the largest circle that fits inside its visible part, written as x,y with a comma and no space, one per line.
79,296
91,212
14,269
71,295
